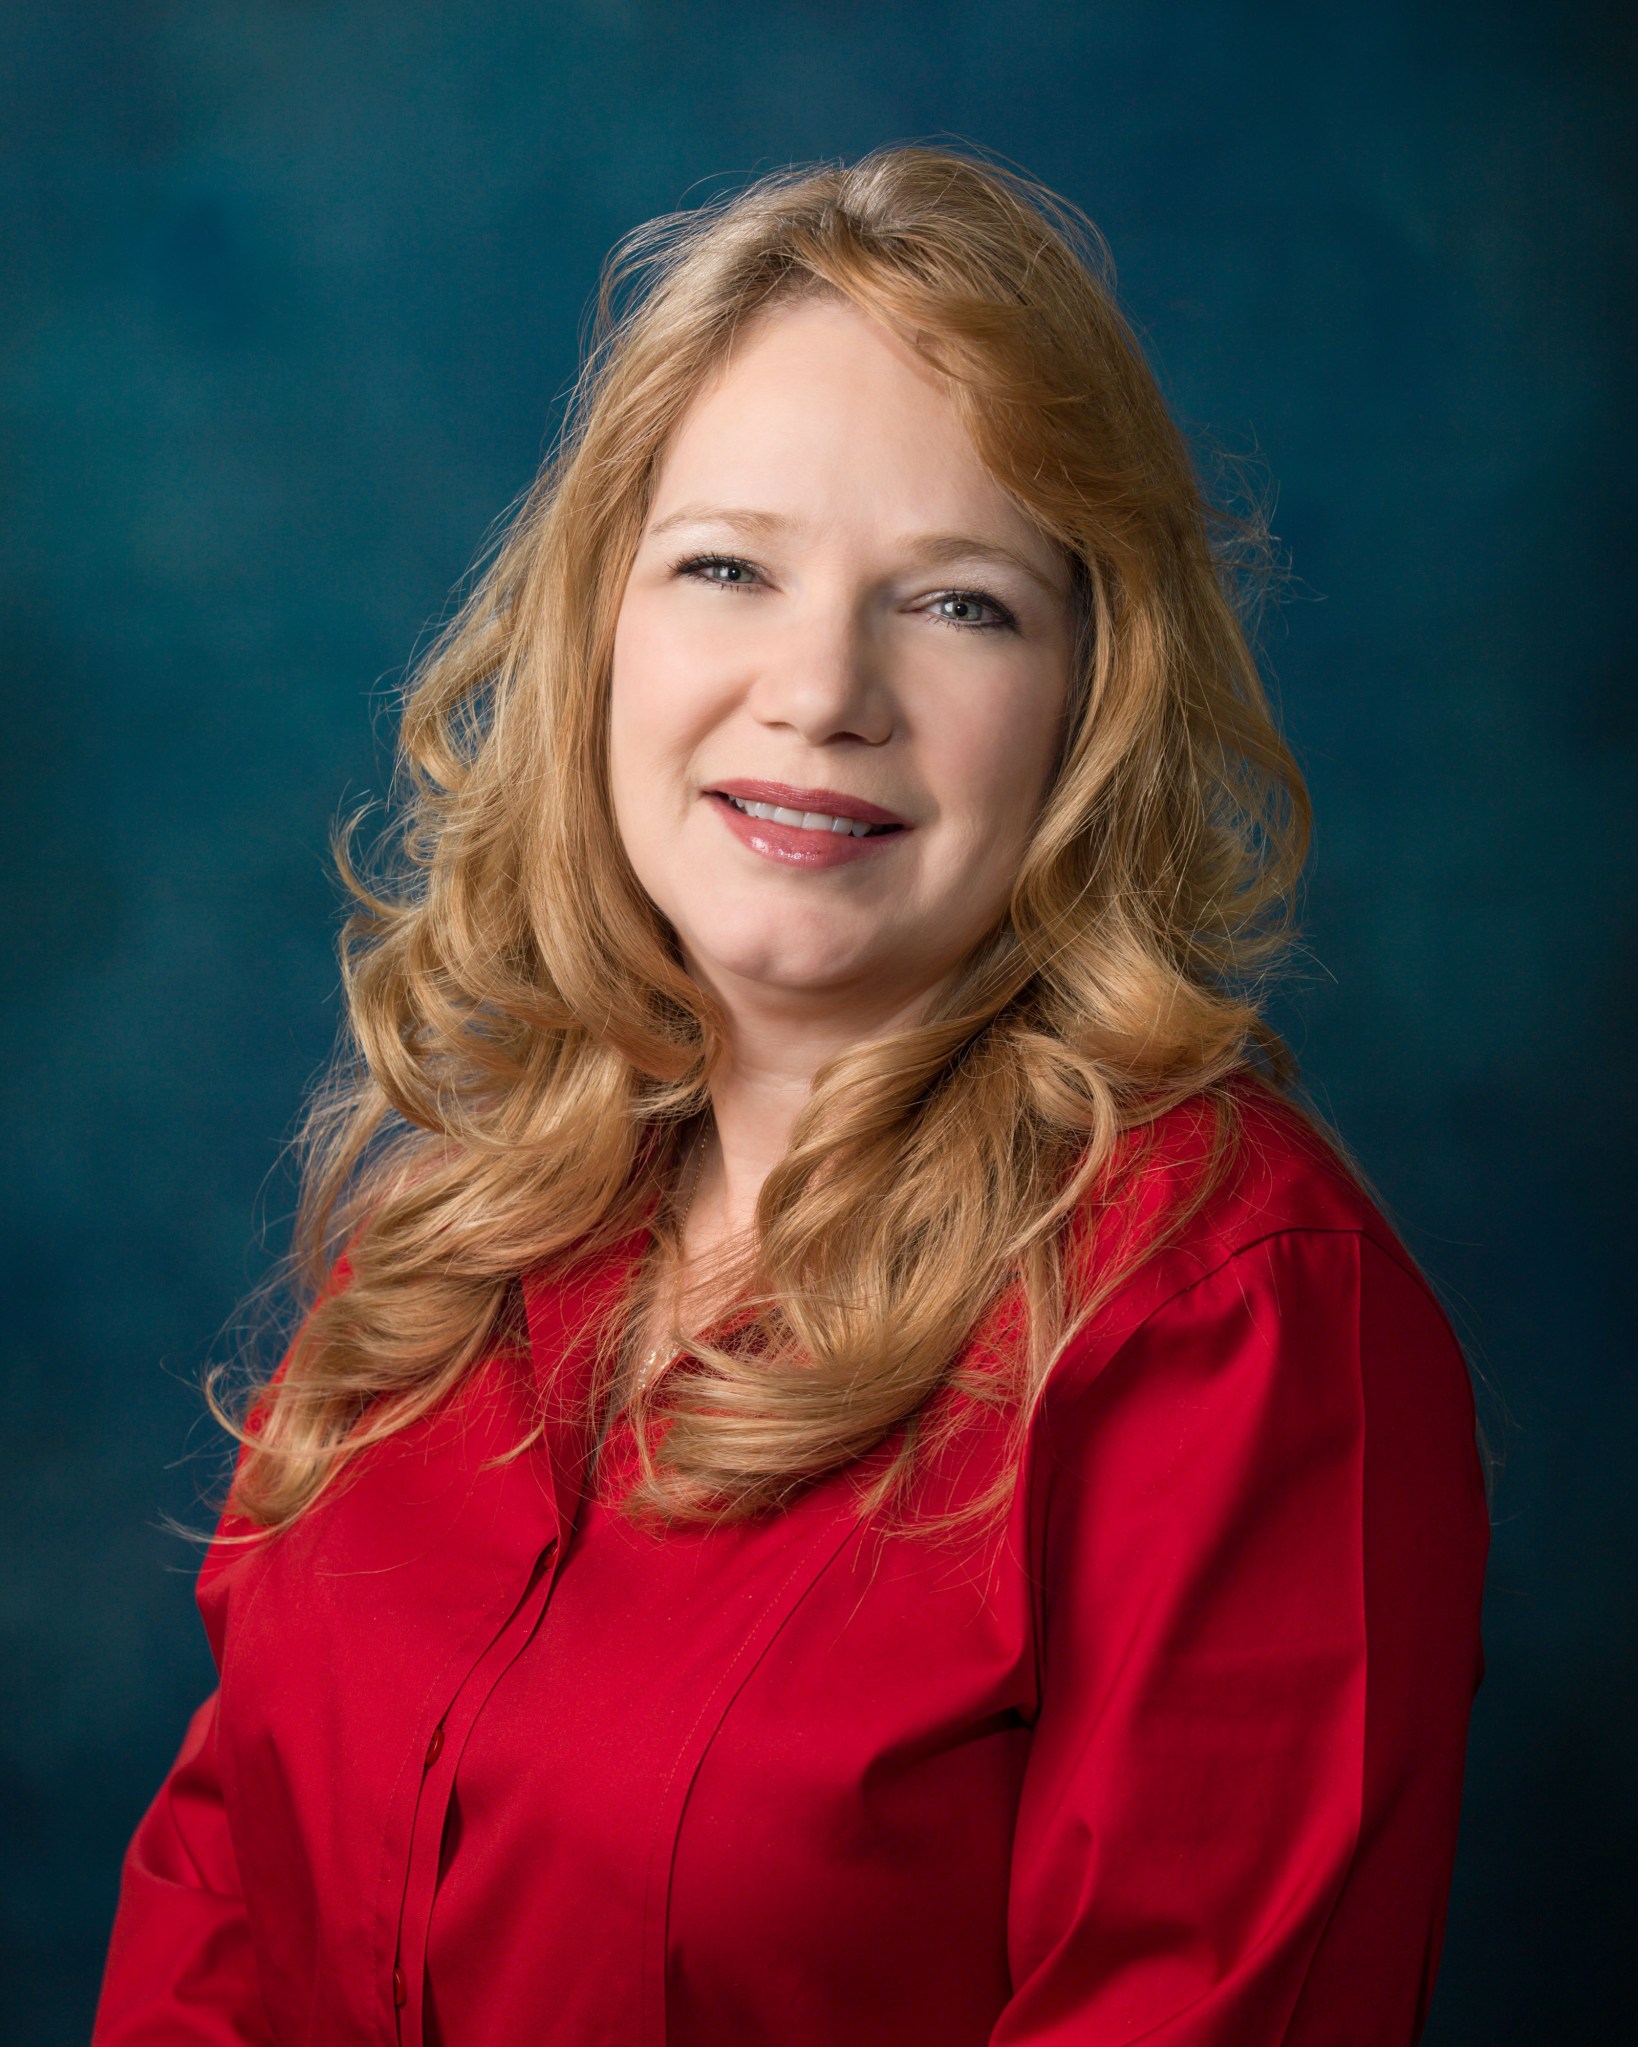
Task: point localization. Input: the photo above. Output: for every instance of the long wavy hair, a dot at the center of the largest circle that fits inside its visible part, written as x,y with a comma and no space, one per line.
524,1052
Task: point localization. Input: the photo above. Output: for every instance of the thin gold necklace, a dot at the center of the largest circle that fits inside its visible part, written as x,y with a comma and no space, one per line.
697,1166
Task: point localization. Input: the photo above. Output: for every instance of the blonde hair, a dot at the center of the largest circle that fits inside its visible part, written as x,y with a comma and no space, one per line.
524,1048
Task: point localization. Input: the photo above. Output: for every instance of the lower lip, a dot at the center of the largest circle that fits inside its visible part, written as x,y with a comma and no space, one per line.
792,846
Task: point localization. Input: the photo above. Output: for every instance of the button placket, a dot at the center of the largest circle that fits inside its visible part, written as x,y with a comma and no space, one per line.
446,1741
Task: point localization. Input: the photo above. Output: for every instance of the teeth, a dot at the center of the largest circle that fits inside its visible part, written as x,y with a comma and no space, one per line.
806,820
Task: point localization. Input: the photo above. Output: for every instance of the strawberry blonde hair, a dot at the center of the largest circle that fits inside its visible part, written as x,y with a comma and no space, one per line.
524,1050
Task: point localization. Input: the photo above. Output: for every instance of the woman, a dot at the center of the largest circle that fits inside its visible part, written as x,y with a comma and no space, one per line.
863,1476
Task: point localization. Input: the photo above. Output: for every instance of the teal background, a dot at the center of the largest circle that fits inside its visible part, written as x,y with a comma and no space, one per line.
291,295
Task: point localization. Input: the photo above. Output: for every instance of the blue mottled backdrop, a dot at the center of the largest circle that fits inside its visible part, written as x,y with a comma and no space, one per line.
290,297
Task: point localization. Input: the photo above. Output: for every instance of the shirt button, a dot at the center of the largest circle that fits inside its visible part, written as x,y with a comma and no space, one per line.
435,1747
399,1994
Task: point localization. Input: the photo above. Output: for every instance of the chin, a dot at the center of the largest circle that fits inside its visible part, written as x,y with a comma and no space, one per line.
787,963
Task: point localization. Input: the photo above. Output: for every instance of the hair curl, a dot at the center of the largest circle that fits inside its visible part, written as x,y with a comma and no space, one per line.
523,1045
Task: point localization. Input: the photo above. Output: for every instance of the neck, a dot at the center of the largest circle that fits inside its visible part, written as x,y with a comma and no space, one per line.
759,1087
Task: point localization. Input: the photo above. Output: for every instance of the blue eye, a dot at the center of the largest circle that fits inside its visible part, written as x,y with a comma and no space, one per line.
962,608
725,570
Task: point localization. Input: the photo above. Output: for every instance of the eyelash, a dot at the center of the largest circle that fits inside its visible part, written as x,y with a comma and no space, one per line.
1004,621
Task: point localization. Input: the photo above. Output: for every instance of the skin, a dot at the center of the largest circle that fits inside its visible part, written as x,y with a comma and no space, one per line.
821,644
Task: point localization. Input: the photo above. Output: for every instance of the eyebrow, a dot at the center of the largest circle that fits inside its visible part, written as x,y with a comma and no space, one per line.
926,550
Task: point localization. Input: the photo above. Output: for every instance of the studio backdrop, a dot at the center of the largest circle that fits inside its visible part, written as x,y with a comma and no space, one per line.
291,298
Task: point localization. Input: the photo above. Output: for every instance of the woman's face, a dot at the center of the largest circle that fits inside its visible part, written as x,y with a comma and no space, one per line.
840,665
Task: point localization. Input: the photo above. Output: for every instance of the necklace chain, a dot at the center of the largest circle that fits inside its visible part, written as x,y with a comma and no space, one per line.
696,1167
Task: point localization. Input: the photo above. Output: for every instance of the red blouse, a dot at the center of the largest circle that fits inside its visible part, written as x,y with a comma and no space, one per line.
1177,1759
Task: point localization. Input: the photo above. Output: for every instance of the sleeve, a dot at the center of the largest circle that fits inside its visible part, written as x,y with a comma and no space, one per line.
180,1969
1262,1538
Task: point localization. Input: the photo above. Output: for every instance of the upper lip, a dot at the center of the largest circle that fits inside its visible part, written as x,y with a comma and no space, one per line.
830,802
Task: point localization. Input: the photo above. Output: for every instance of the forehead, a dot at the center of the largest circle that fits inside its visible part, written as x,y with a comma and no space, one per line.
818,409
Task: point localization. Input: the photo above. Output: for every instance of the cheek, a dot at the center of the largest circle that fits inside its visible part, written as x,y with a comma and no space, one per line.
996,761
661,708
643,709
661,698
636,702
633,685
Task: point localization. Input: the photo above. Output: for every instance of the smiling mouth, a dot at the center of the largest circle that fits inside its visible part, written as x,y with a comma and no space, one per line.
806,820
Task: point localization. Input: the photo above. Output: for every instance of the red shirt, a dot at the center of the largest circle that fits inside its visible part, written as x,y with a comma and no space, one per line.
1175,1759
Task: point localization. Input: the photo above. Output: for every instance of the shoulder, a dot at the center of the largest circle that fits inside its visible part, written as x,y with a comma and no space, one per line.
1274,1170
1277,1381
1241,1205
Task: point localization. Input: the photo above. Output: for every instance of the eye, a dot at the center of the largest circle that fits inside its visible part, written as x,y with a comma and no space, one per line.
965,608
726,571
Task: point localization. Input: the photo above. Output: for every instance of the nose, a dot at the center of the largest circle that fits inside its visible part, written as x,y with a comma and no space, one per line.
824,677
